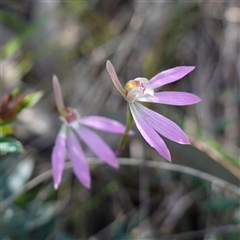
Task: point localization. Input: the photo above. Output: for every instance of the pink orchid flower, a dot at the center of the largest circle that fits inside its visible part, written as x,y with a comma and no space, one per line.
148,122
73,129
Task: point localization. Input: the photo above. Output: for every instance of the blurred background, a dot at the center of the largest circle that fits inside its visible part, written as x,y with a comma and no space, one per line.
194,197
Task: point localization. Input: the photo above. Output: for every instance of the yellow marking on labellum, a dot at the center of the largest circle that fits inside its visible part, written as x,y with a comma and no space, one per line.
133,84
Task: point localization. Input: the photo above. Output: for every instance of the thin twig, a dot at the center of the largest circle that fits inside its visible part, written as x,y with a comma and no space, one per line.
187,235
132,162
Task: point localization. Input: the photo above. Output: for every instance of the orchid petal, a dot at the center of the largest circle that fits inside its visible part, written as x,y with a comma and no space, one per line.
162,125
104,124
58,94
58,159
114,77
169,76
98,146
172,98
148,133
78,159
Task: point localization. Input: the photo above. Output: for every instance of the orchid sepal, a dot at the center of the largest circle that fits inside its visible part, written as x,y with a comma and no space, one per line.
114,78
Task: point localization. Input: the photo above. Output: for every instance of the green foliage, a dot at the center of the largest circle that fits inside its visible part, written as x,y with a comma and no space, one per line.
30,100
12,20
26,31
219,204
5,129
10,145
33,222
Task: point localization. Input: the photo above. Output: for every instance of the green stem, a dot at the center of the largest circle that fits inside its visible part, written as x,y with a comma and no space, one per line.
125,136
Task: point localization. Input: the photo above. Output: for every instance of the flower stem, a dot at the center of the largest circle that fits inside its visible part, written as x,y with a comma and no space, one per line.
124,139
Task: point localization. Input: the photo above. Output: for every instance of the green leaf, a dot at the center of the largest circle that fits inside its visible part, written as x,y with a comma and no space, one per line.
13,20
13,45
15,92
31,99
5,130
9,144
